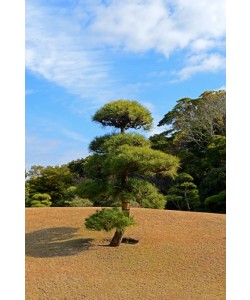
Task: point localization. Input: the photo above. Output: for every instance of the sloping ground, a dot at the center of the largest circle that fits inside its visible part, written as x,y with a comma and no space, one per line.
180,255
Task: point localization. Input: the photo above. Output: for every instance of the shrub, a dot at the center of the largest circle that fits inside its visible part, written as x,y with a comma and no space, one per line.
216,203
40,200
79,202
108,219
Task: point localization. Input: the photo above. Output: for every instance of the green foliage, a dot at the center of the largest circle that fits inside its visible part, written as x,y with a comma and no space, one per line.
213,183
77,169
216,151
79,202
109,143
40,200
196,134
92,189
184,177
197,120
118,157
108,219
35,171
141,160
163,142
183,194
138,191
95,166
27,194
71,192
146,194
98,144
73,199
124,114
50,180
216,203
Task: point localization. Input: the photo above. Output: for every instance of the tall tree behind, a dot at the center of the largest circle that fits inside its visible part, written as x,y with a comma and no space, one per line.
195,131
53,181
199,120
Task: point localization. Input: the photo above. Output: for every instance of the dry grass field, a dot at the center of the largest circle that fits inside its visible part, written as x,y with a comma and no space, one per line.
180,255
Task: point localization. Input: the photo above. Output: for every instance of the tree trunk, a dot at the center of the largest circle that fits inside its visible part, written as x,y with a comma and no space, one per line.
117,238
186,199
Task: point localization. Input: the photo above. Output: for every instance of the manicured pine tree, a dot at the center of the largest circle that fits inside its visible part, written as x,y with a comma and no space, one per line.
122,155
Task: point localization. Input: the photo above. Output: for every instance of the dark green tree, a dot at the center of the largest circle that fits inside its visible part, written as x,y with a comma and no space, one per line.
77,168
184,194
195,131
216,203
197,121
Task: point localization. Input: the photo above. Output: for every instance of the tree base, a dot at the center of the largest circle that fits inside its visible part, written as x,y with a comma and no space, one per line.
117,238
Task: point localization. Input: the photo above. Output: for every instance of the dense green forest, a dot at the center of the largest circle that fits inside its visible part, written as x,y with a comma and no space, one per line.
182,168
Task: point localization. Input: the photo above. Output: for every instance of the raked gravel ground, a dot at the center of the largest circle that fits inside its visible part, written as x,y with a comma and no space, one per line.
180,255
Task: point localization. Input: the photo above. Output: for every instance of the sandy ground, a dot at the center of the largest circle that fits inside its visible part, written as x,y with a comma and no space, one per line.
180,255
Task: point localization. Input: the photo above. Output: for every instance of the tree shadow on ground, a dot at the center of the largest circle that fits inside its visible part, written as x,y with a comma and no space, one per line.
58,241
125,240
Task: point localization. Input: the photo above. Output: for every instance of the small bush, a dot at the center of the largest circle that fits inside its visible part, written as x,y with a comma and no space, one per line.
40,200
107,219
79,202
216,203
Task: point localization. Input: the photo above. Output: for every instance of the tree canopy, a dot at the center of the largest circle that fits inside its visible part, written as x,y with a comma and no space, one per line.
195,131
124,114
197,120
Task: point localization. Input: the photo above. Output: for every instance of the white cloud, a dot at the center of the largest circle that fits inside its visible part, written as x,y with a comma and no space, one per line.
149,105
223,87
69,45
57,50
29,92
200,64
164,26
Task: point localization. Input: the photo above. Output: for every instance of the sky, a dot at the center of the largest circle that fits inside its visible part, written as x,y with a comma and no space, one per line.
81,54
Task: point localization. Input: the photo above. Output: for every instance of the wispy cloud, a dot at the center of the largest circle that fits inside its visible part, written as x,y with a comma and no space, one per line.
41,151
73,47
29,92
58,50
200,64
39,145
75,136
51,128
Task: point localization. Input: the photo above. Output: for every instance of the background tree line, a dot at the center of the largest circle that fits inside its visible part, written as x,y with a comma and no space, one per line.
183,168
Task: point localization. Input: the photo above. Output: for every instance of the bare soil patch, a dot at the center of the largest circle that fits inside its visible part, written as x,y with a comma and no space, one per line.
179,255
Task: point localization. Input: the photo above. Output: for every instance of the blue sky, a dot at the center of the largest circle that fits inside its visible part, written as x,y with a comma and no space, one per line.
83,54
